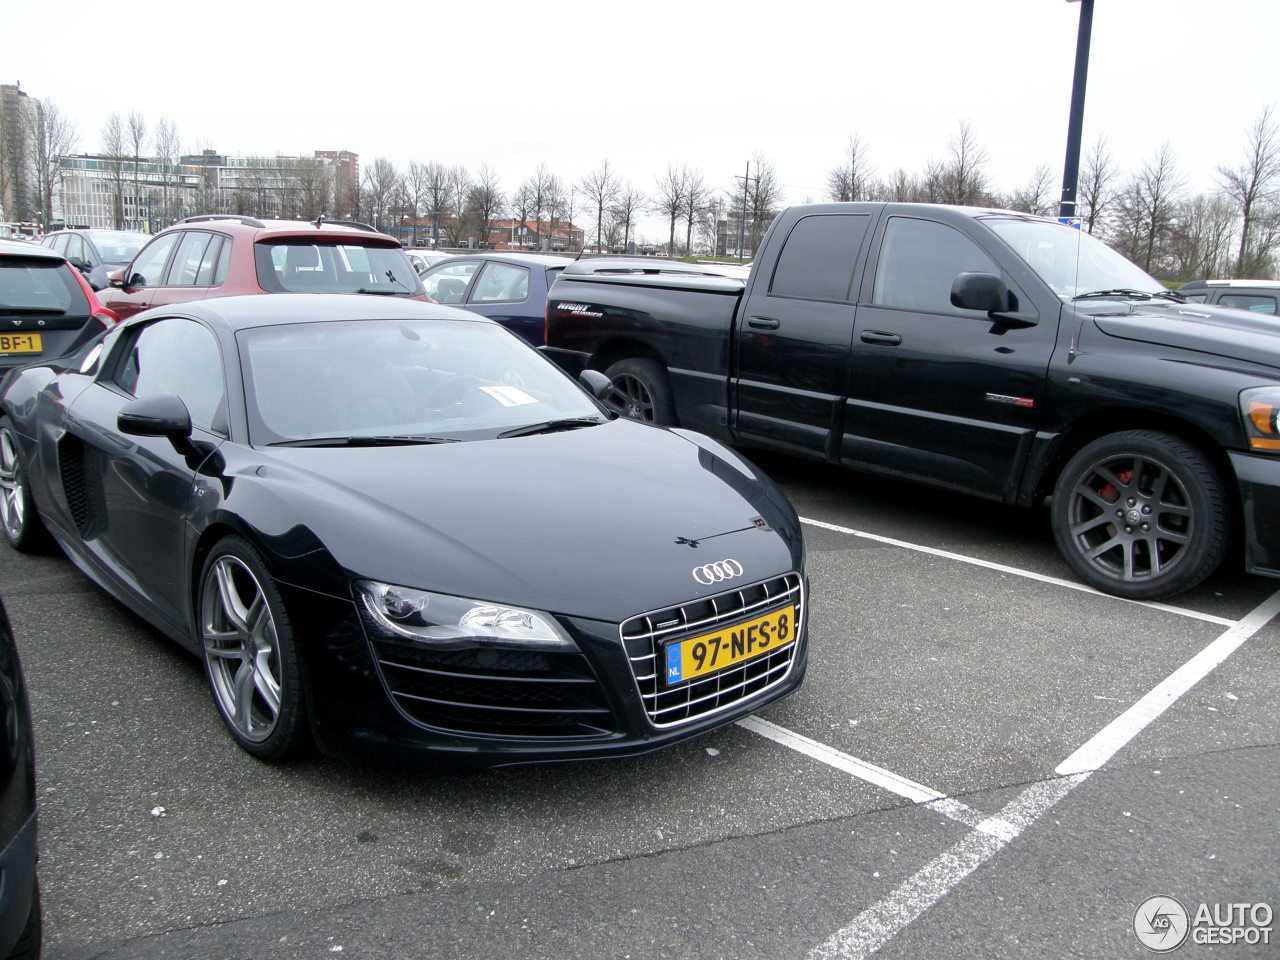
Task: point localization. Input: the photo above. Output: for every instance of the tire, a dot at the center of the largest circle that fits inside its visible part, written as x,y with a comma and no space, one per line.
641,391
18,518
1140,514
250,657
31,940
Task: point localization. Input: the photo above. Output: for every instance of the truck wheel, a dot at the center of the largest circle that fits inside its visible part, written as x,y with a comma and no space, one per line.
1140,514
641,391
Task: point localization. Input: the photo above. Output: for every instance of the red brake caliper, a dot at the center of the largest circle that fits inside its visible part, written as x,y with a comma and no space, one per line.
1109,493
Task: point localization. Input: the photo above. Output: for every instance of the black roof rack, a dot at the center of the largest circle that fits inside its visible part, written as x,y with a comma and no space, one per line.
247,221
322,220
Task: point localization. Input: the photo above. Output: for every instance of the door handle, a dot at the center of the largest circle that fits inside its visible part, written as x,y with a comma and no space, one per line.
877,336
763,323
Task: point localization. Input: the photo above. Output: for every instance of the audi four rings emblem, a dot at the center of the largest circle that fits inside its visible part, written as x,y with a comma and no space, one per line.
710,573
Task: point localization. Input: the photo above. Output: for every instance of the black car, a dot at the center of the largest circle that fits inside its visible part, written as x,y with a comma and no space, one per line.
46,308
20,927
386,524
95,253
1256,296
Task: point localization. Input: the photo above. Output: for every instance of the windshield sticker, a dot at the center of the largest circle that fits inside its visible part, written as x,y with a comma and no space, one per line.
509,396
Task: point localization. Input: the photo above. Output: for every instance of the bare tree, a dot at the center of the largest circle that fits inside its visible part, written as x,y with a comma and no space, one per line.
486,200
625,209
1201,237
963,179
696,193
436,197
669,201
165,145
53,137
457,189
1036,195
312,187
853,179
765,196
415,185
1147,207
1249,185
1095,190
379,182
113,149
557,204
136,132
601,190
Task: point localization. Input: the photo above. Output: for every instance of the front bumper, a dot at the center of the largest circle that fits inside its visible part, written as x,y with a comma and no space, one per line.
487,708
1259,482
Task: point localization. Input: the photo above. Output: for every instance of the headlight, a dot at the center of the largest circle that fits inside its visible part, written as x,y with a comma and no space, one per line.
1261,409
447,622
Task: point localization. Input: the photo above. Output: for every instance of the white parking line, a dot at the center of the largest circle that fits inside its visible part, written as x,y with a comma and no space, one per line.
1016,571
877,776
879,923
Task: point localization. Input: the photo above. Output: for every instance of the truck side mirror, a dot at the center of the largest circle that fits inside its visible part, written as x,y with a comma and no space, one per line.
981,291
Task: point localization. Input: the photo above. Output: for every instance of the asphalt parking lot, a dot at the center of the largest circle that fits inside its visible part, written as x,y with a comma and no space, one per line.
986,760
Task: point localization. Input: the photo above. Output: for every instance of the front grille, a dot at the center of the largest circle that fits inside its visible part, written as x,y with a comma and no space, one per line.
495,692
644,636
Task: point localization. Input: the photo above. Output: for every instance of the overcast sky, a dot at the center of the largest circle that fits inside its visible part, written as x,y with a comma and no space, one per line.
652,82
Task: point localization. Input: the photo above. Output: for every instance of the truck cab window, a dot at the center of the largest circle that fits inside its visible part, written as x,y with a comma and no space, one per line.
919,260
818,258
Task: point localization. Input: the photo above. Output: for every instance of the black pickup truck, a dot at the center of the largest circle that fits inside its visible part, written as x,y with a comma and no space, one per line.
987,351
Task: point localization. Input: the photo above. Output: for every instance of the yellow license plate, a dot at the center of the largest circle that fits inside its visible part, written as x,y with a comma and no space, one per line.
20,343
711,652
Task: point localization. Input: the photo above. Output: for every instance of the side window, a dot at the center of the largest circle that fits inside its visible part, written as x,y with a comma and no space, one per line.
501,283
919,261
210,262
818,257
224,261
75,249
150,262
181,357
186,264
1255,303
447,283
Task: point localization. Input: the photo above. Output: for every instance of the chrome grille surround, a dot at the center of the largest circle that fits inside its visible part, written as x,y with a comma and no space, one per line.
644,635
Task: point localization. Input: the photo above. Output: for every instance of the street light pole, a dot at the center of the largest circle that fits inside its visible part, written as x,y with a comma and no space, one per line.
1071,168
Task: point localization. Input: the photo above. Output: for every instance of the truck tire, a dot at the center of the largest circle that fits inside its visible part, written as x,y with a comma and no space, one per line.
1140,514
641,391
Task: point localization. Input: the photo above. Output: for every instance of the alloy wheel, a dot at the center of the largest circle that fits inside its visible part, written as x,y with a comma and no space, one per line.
12,502
631,398
241,648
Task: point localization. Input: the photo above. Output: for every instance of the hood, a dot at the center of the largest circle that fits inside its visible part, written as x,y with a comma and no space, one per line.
603,522
1222,331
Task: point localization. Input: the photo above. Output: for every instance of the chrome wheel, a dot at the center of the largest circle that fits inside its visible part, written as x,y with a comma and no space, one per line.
13,506
241,648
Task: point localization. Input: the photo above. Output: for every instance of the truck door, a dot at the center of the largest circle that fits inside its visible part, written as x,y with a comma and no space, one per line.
792,337
936,392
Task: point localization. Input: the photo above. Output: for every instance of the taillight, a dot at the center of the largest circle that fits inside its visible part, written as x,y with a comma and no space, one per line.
106,317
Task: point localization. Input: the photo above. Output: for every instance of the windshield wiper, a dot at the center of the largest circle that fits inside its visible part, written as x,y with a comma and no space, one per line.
1118,292
381,293
1173,295
550,426
387,441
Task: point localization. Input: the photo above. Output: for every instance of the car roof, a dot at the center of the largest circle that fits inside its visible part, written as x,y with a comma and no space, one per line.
19,248
528,259
264,229
243,312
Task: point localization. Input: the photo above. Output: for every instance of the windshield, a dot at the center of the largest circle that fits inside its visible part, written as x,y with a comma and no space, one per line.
1070,261
118,246
295,265
399,378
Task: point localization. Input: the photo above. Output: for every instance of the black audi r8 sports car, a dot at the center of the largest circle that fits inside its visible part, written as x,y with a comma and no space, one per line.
388,526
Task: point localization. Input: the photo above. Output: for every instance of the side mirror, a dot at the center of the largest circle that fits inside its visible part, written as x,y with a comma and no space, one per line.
82,265
597,383
160,416
980,291
115,278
